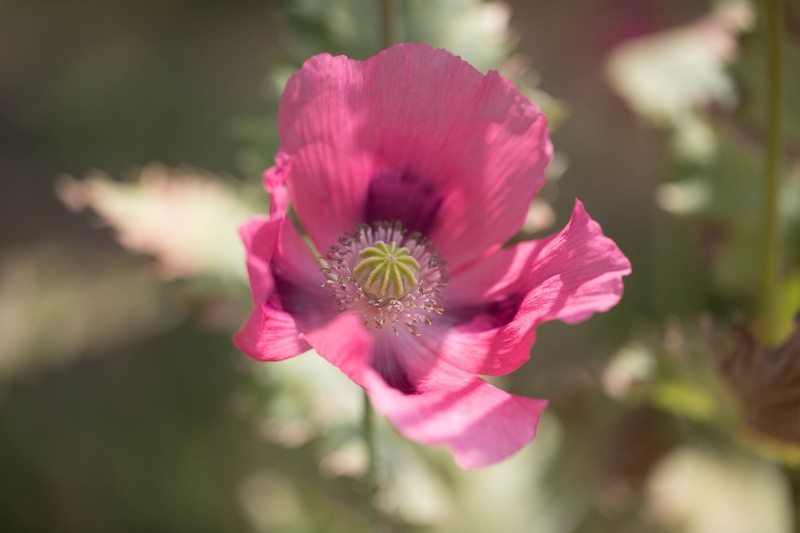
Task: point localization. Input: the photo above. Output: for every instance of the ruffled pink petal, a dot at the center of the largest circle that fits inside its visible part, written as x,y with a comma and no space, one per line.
477,422
275,184
270,335
501,299
285,283
424,116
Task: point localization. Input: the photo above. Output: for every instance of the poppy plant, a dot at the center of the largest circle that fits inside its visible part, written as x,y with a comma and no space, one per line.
408,172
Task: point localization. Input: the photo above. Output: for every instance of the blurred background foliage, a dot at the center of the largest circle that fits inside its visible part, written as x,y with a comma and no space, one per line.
124,405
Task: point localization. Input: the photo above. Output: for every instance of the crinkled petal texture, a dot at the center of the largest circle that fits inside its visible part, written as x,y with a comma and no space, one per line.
466,151
287,297
417,135
479,423
494,304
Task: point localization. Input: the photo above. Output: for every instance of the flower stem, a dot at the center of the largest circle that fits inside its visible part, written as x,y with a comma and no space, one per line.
387,9
770,327
370,483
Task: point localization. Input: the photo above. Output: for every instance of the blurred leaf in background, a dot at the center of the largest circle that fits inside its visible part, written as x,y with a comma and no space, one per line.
54,306
186,219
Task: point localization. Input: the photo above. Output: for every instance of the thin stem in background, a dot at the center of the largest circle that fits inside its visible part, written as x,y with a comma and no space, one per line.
770,324
770,319
370,480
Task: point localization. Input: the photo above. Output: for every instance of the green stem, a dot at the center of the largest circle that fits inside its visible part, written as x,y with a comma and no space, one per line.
770,328
387,9
370,483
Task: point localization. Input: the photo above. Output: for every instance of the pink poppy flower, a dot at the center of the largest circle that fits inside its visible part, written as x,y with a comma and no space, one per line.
408,172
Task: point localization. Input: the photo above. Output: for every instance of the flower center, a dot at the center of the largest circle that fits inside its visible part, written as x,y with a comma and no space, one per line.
386,276
386,270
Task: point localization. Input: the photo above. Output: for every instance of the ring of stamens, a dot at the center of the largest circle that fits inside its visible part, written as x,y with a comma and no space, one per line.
386,275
